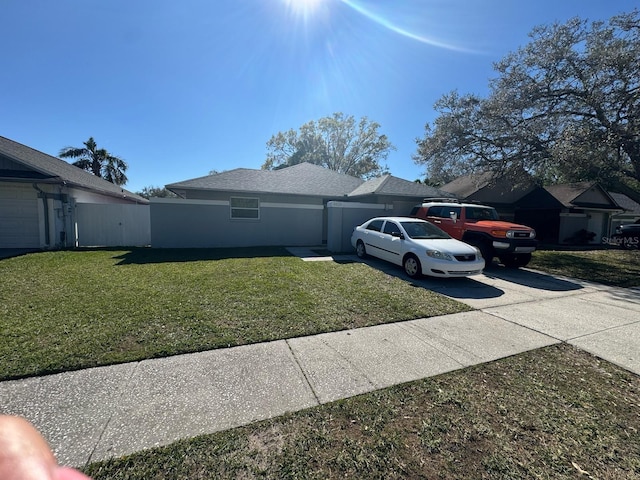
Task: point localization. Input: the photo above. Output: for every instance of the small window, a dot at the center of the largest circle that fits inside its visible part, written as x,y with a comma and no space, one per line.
435,211
376,225
448,211
391,228
245,208
443,211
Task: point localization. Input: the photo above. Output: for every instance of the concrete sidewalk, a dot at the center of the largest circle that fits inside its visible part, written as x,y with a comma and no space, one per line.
97,413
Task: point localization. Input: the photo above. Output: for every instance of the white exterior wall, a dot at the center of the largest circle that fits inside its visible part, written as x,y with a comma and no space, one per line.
112,225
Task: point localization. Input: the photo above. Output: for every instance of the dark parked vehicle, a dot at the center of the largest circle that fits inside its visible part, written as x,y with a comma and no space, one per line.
627,236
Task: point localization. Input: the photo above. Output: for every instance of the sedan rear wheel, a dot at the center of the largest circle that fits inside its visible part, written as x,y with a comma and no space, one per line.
412,266
360,250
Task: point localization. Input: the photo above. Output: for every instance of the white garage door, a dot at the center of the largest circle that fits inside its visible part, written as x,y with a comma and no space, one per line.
19,225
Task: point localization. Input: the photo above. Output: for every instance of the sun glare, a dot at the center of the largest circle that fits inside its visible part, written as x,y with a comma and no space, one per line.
304,8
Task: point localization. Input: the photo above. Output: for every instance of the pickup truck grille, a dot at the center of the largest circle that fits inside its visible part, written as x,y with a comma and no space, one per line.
466,258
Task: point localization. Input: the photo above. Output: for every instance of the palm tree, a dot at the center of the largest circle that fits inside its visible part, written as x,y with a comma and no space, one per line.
97,161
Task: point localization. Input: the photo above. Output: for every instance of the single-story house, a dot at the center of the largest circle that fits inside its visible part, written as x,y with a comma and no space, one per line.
46,203
574,213
301,205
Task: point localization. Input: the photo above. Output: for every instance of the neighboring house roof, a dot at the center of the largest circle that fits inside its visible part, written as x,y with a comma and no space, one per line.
485,187
628,204
467,185
301,179
582,195
40,167
394,186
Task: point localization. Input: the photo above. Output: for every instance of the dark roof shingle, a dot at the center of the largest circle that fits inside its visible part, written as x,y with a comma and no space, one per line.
50,167
301,179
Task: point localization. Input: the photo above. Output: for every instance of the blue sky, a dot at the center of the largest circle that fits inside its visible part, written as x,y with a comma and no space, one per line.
180,88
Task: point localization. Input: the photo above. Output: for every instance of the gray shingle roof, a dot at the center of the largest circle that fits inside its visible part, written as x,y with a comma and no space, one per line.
301,179
568,194
394,186
466,185
485,187
52,168
625,202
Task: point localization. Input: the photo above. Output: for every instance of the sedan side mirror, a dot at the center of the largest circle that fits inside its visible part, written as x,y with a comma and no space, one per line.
398,234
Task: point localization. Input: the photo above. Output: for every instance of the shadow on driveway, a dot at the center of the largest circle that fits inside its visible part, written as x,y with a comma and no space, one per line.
527,278
466,287
479,287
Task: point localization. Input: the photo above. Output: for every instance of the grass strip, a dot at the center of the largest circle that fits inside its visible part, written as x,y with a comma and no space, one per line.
619,268
552,413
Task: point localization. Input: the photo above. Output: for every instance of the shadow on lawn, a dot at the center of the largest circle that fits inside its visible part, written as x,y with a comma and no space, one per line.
139,256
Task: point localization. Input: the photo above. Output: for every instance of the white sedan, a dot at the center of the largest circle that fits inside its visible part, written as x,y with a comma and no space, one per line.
419,247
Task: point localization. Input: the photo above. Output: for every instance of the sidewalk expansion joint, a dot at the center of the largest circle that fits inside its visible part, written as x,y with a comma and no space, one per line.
304,374
608,329
523,326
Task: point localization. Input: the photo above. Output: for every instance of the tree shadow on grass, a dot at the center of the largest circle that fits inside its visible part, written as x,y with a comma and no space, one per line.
139,256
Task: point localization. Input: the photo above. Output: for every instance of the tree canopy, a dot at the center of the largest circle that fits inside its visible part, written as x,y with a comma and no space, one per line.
97,161
338,143
158,192
564,108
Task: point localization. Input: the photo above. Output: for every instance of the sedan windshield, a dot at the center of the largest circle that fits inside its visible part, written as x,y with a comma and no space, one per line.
423,230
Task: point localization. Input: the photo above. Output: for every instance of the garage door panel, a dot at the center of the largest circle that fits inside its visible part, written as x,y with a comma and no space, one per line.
19,225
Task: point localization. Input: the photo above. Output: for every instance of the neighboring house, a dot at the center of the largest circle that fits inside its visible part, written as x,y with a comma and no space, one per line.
301,205
500,193
631,213
575,213
46,202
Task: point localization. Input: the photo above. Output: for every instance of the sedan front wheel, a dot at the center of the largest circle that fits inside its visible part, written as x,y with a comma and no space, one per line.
412,266
360,250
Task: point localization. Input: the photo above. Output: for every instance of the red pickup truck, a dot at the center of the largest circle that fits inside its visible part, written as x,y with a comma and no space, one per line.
480,226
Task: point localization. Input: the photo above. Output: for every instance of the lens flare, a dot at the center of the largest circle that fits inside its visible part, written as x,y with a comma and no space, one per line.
385,22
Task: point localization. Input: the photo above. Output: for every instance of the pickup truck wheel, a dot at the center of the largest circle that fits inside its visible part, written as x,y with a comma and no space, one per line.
412,266
516,260
360,250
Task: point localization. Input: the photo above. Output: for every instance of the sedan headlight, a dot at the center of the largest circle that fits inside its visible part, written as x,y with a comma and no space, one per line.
439,255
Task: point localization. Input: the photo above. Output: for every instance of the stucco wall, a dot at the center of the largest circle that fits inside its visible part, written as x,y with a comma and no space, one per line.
343,217
180,223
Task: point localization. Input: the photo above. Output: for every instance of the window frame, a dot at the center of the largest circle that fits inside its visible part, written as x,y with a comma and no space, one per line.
233,208
375,223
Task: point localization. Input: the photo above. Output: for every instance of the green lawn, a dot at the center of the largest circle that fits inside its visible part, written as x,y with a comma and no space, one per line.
547,414
610,267
75,309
